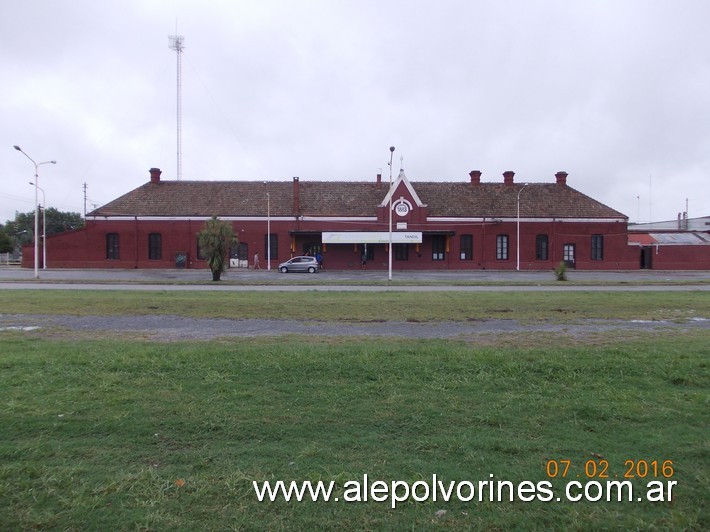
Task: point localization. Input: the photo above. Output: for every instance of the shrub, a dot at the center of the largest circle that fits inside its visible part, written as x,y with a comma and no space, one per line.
561,271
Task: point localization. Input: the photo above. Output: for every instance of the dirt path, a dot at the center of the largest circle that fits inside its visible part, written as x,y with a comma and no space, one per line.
175,328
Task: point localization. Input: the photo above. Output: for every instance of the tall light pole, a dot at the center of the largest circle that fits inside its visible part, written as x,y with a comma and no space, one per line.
44,228
389,258
36,165
517,240
268,232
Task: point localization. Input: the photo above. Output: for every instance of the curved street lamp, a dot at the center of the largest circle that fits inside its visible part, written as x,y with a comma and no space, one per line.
36,165
517,240
44,227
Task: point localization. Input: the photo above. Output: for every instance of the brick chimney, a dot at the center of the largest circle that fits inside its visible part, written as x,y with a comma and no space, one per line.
296,199
561,178
475,177
508,177
379,179
155,175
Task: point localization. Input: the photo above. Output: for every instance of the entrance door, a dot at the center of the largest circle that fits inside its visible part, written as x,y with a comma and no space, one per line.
239,256
568,253
311,248
646,254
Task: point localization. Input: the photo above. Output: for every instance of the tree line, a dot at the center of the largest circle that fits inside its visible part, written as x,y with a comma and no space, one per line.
19,232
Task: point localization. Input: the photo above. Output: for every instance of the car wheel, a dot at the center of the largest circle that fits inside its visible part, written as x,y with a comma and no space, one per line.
284,269
311,270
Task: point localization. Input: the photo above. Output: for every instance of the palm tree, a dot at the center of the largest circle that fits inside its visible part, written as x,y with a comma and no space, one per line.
215,241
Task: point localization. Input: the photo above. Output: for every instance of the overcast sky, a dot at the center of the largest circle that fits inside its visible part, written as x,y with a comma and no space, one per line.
614,92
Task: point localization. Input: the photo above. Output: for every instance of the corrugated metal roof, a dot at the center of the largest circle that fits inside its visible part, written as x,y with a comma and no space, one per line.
669,239
681,238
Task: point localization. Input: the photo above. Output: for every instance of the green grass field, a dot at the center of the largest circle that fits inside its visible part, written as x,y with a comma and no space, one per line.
108,435
365,306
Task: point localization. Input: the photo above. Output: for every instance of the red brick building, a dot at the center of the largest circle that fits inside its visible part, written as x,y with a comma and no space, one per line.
436,225
671,250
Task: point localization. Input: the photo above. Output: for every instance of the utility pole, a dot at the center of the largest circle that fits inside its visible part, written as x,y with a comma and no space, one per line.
389,258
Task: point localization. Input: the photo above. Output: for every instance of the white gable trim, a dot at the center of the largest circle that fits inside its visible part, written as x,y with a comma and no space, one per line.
402,178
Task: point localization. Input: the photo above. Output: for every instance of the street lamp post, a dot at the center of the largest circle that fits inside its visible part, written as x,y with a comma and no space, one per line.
268,232
36,181
44,227
517,240
389,258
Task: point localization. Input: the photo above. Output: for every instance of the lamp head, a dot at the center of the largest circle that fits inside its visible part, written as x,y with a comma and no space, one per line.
17,147
391,148
53,162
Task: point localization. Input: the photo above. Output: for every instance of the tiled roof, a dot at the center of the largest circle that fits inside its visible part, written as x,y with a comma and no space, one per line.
642,239
351,198
538,200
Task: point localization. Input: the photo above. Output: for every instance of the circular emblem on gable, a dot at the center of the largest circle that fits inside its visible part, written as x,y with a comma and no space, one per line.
402,207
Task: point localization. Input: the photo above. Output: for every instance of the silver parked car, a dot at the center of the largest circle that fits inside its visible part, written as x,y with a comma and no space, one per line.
299,264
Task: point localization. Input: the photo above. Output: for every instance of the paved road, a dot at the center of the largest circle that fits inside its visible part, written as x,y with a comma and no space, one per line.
351,288
93,279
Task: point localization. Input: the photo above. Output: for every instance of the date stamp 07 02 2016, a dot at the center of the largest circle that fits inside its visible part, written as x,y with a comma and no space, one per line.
599,469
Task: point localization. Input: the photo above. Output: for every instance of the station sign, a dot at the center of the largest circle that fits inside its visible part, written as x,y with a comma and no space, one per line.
372,237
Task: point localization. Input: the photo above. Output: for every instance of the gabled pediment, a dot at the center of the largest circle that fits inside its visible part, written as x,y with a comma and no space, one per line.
395,191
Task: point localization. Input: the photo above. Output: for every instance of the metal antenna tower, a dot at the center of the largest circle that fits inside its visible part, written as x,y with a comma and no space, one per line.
176,43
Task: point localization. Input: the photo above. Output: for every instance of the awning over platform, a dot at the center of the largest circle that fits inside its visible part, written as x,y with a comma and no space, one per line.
371,237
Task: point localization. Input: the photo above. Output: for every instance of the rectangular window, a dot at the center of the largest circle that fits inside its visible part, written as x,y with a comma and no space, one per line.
112,248
502,247
541,244
155,246
438,247
466,247
401,251
272,240
597,247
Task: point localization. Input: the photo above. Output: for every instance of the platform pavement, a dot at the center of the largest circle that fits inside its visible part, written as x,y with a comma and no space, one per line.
17,274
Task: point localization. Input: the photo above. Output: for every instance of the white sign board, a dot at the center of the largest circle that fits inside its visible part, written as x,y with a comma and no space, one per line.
372,237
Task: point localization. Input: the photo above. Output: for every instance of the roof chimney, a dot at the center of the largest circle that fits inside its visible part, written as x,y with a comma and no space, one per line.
379,179
155,175
508,177
475,177
296,200
561,178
